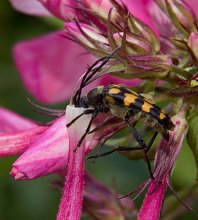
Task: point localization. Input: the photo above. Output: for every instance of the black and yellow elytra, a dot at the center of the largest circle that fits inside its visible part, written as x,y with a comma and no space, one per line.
124,103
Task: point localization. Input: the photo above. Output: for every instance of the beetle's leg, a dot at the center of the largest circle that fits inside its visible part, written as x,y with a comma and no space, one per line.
142,144
94,114
151,142
136,135
119,148
122,148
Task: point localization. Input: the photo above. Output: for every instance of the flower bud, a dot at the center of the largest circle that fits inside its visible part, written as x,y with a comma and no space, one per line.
87,36
101,203
101,7
135,43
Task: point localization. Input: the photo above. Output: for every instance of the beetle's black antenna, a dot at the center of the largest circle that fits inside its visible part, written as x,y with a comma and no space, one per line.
86,78
77,95
45,111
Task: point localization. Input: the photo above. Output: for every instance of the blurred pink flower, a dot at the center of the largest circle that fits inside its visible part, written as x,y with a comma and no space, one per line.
10,121
16,133
33,7
50,66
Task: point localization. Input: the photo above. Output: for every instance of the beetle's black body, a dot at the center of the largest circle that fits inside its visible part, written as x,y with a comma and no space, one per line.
123,103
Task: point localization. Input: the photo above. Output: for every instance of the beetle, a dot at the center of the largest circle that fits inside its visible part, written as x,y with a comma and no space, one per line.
125,104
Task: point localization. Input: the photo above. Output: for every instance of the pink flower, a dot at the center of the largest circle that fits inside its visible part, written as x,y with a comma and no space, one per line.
33,7
46,150
71,202
16,133
63,9
50,60
50,149
166,156
137,8
193,45
50,69
10,121
101,203
47,154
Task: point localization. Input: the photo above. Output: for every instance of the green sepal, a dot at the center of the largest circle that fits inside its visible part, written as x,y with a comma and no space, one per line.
190,17
126,139
192,137
175,19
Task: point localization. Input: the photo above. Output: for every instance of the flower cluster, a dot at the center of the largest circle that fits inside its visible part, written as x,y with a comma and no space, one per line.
156,44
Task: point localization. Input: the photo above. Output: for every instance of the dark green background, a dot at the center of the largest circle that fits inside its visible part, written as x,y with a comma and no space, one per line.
36,199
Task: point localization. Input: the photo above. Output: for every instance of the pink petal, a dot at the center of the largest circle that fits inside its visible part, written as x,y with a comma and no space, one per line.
166,156
193,4
107,79
14,143
152,205
101,7
167,153
73,29
193,44
32,7
99,202
139,8
10,121
71,201
60,8
53,62
47,154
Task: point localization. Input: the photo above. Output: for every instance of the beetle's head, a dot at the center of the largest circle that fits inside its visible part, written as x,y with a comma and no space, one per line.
95,96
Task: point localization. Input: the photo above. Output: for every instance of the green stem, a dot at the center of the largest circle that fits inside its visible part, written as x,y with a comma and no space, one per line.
180,71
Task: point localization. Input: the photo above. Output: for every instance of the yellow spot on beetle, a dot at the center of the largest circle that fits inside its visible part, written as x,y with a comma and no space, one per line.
162,115
114,91
129,99
146,107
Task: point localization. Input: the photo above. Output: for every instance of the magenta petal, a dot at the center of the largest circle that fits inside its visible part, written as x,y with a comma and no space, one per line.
14,143
165,159
153,201
10,121
139,8
46,155
32,7
71,202
107,79
193,4
63,9
53,62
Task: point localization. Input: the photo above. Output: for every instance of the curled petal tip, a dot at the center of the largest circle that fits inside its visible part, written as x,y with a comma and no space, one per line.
17,175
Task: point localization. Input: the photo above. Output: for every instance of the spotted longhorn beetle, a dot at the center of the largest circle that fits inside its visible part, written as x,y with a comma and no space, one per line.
122,103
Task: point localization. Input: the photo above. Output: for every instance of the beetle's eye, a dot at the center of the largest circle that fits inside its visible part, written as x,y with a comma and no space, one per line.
84,102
